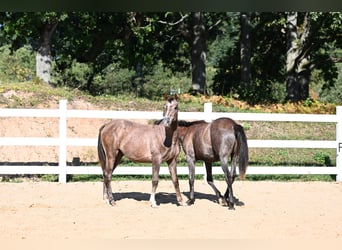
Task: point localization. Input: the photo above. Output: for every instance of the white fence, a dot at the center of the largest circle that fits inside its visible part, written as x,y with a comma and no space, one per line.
62,141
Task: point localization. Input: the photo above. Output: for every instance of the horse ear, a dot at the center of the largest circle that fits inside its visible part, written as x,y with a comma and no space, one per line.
176,97
166,97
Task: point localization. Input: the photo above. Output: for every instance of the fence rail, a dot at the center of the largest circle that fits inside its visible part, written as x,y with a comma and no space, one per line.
63,142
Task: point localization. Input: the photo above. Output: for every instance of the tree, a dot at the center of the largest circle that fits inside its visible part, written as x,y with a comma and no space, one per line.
92,40
198,53
37,29
264,64
49,23
312,38
245,49
297,59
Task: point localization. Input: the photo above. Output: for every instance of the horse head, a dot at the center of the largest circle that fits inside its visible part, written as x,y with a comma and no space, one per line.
170,111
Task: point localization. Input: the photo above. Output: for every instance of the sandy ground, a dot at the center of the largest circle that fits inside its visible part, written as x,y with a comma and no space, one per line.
54,211
272,210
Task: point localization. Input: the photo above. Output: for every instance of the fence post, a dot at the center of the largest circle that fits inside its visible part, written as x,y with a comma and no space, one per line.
339,143
208,108
62,141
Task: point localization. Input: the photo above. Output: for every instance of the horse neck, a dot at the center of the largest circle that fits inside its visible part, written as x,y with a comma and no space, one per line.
181,131
170,134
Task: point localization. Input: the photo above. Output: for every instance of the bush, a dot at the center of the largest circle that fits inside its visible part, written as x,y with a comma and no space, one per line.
156,81
77,75
163,81
332,93
113,80
18,66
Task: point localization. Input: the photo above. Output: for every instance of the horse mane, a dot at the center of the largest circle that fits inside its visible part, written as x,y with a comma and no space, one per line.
183,123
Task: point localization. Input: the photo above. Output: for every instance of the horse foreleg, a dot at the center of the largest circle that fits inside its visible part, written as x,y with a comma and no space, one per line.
173,172
155,176
210,181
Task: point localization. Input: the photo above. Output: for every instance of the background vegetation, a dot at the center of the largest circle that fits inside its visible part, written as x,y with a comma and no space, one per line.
253,57
129,60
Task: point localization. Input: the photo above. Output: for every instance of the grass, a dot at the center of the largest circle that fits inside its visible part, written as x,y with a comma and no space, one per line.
32,94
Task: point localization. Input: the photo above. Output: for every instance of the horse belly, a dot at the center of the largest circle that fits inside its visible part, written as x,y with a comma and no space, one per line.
203,146
137,151
206,155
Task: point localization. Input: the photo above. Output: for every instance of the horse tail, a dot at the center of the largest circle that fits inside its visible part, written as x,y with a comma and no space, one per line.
100,149
242,149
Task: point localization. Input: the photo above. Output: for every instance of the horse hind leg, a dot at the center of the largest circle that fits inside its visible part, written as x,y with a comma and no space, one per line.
233,176
191,166
210,181
111,163
229,180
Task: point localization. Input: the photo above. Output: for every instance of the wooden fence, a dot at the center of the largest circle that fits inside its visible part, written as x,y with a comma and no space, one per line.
62,170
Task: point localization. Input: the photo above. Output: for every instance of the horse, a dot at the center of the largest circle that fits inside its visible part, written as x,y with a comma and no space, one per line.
212,142
148,143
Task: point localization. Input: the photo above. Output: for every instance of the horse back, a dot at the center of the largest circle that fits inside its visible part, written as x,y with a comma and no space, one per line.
138,142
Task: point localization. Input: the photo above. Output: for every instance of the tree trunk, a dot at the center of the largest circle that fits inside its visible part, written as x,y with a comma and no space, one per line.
198,53
297,61
245,49
292,88
43,57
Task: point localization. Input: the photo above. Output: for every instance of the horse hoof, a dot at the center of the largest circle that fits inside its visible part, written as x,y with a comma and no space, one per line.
154,205
239,203
112,203
181,204
231,206
223,202
190,202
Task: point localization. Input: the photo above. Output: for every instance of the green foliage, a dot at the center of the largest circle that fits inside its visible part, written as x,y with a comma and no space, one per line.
78,74
75,76
101,51
330,93
162,81
49,177
17,66
287,177
322,158
114,80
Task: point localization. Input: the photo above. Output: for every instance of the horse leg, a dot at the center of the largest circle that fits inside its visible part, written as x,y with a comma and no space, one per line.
229,192
191,166
111,163
210,181
172,164
107,179
233,176
155,176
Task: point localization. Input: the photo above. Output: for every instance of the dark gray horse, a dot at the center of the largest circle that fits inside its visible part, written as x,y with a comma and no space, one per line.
221,140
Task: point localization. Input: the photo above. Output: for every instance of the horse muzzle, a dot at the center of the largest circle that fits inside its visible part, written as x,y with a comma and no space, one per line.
167,121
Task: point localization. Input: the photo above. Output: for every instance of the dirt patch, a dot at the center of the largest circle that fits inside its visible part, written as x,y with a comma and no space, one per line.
272,210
